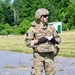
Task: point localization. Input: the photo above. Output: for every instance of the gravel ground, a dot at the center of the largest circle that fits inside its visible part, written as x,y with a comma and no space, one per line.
12,63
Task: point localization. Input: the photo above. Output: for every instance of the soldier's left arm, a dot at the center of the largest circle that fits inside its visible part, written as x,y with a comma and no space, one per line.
58,41
56,36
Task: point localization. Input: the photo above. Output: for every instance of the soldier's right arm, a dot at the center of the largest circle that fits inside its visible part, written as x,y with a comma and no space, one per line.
29,38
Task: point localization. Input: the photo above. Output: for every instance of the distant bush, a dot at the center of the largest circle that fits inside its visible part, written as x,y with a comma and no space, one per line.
3,28
3,32
64,27
15,29
24,26
6,29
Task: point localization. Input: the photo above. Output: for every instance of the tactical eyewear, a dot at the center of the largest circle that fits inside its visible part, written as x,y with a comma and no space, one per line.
45,16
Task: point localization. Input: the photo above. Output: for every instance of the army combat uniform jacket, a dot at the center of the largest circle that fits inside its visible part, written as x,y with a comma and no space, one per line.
36,32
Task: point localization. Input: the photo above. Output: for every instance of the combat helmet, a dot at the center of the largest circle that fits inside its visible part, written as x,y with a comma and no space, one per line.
40,12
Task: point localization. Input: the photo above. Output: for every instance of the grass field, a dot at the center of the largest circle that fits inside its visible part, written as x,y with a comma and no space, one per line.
16,43
67,46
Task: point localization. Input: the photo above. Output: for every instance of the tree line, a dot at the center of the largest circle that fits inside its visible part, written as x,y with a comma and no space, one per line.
15,18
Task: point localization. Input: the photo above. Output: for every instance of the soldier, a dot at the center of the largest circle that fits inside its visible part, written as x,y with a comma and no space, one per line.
44,40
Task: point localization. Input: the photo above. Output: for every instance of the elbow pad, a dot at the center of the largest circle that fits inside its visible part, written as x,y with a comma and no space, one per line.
42,40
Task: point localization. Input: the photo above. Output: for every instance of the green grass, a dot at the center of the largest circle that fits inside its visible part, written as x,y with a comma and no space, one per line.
67,46
16,43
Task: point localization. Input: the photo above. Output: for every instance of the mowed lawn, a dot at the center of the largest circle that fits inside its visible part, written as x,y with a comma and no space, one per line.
67,46
16,43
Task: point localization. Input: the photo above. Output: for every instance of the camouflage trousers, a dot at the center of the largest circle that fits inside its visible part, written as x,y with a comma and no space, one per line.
43,61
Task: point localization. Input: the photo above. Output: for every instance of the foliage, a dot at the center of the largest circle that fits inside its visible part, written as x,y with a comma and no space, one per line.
17,4
6,15
65,27
15,18
5,29
24,25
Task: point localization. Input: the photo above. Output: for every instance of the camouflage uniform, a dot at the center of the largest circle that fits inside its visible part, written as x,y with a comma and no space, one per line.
43,53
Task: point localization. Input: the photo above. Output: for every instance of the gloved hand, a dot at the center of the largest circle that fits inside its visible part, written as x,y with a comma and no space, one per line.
42,40
52,39
49,37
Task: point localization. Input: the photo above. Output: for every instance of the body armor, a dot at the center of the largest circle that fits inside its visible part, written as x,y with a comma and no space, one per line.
38,32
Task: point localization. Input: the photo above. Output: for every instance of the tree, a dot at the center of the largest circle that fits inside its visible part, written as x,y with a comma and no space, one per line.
20,11
6,15
7,1
30,6
17,4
